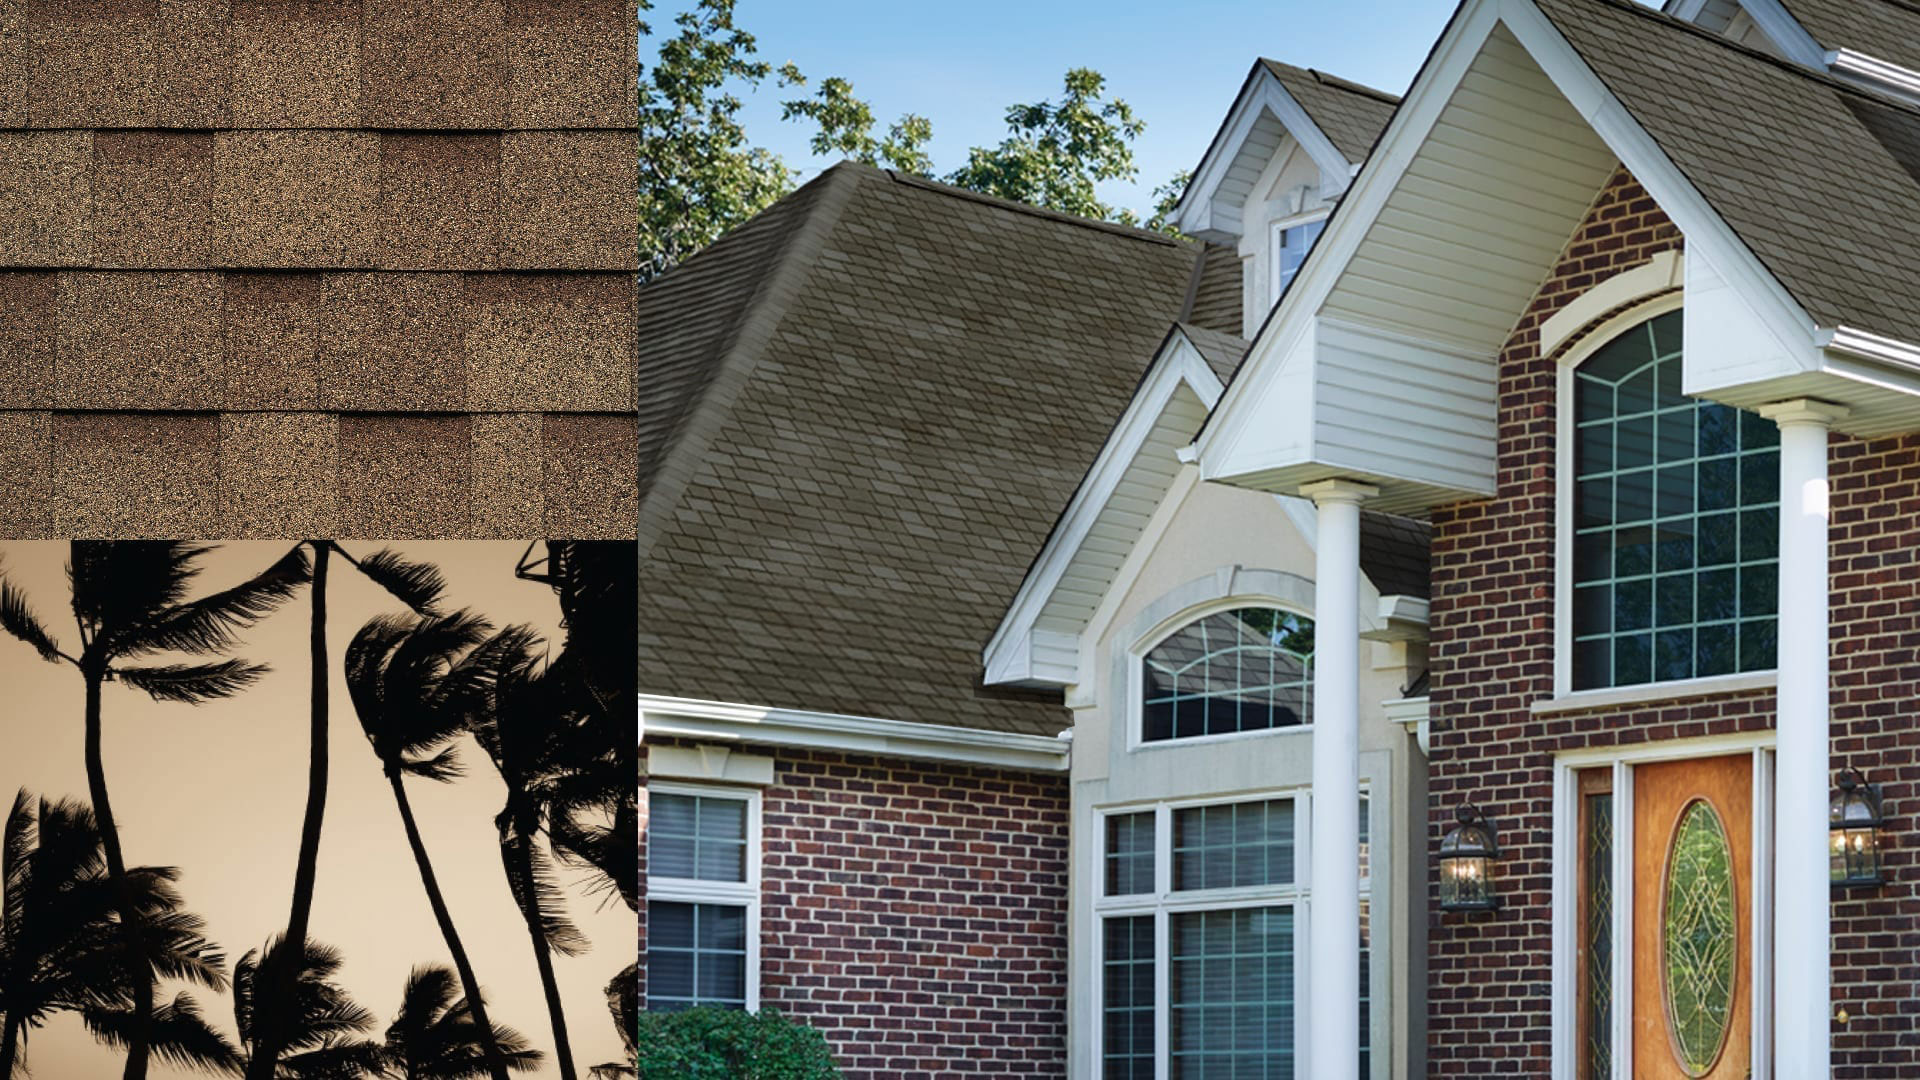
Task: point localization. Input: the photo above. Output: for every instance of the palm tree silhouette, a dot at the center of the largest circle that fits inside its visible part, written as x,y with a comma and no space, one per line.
61,949
436,1037
323,1031
410,680
541,754
129,603
623,1002
417,585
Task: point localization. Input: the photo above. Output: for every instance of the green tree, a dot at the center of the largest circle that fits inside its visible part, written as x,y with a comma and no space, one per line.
129,604
1055,153
843,124
699,174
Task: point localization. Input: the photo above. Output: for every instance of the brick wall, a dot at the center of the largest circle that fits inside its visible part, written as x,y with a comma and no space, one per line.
1490,975
917,914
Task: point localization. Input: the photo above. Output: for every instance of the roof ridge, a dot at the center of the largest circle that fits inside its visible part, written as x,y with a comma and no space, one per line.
1329,79
758,320
927,183
1800,70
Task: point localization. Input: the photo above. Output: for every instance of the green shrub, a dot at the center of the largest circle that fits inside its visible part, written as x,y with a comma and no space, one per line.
727,1044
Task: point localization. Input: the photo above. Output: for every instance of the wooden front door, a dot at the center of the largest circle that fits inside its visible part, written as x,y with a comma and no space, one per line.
1692,919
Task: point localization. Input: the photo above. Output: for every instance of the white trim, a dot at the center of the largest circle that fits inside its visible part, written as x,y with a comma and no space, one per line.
1664,272
1178,363
1566,858
1650,693
744,894
1882,74
693,719
1274,231
1785,32
1872,347
1263,92
1415,715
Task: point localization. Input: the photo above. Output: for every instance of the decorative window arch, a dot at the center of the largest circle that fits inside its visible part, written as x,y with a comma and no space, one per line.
1241,669
1674,518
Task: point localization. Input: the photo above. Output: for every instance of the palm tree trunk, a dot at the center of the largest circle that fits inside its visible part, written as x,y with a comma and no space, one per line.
517,853
9,1046
140,972
496,1064
286,980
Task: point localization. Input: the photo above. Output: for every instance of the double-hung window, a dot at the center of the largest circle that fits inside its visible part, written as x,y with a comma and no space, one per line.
1291,242
1200,938
703,902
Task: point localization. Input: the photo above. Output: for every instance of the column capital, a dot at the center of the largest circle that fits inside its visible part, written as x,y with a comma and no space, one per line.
1804,411
1323,492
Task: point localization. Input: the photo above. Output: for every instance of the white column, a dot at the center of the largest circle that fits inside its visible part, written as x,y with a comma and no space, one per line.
1802,915
1333,951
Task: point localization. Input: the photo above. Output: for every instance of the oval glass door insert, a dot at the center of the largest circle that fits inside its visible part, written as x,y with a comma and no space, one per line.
1700,939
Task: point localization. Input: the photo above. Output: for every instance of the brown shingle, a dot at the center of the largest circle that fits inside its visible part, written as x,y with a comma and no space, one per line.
508,492
296,63
592,477
557,342
13,63
26,475
91,63
571,63
439,202
45,198
125,475
28,302
193,64
152,199
296,198
392,342
272,340
138,341
405,476
278,474
568,200
433,64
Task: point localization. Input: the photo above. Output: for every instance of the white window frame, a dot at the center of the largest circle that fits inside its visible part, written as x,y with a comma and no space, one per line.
1564,436
1163,902
744,894
1279,226
1566,901
1136,669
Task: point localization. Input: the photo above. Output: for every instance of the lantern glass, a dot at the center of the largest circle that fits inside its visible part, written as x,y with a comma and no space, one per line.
1854,830
1467,855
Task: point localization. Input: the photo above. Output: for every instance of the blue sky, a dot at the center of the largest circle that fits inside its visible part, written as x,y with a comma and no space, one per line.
961,64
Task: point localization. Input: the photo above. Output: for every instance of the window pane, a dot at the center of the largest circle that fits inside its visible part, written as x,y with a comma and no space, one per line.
1244,670
1129,854
697,836
1127,999
1233,845
696,955
1704,480
1233,1002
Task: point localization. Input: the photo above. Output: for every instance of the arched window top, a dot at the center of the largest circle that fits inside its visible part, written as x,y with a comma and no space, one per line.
1246,669
1675,520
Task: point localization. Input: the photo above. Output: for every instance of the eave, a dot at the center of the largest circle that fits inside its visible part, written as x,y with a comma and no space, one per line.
727,722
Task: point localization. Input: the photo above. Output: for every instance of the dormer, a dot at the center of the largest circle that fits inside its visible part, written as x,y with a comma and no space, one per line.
1286,152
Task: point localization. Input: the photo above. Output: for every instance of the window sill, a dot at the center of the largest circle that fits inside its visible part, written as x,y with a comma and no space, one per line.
1678,690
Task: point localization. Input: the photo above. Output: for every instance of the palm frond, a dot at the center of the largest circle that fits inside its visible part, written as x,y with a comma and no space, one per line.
442,767
212,623
193,683
416,584
177,1033
537,890
17,618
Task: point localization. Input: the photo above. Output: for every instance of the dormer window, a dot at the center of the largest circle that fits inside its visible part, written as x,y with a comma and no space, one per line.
1249,669
1291,241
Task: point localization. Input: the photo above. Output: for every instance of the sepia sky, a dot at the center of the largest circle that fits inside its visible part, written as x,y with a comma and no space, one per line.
219,789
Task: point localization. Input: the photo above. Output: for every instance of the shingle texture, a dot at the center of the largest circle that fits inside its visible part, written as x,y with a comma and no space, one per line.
1816,178
1884,29
941,371
1349,114
1394,553
1215,303
1222,352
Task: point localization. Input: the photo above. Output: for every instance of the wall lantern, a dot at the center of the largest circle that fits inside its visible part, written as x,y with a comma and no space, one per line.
1854,821
1467,855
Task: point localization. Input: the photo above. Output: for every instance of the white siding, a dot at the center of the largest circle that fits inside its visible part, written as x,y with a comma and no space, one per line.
1439,407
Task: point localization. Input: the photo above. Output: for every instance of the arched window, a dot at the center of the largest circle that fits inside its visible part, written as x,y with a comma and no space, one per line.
1676,521
1248,669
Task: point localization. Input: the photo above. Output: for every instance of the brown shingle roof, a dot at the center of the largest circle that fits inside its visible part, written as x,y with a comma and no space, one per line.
1815,177
862,496
1884,29
1349,114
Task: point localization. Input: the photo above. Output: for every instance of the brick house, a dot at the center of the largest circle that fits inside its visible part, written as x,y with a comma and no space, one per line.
1607,316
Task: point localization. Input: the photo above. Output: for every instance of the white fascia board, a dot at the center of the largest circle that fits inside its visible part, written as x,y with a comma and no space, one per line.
1876,74
1703,227
1288,322
690,718
1194,214
1008,655
1785,31
1879,349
